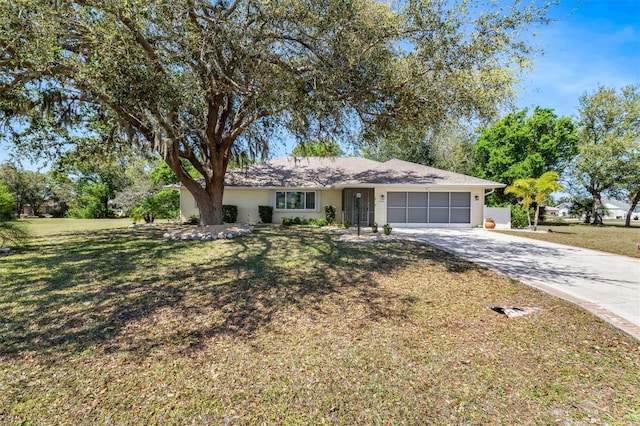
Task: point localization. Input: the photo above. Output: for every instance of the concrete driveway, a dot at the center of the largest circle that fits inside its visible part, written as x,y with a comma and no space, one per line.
607,285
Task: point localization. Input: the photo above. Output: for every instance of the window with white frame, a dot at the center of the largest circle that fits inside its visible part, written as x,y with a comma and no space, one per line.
295,200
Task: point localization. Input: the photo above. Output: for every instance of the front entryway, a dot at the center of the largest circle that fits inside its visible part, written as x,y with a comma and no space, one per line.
357,204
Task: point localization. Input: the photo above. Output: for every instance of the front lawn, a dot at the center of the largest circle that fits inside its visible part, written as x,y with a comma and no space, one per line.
292,326
39,227
613,237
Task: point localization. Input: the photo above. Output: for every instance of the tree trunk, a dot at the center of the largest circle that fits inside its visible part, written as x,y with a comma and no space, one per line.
210,204
597,214
634,203
208,197
535,219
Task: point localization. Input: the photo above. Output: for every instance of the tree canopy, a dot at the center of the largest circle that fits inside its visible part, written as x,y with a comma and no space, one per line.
521,146
10,231
609,148
28,187
318,148
201,80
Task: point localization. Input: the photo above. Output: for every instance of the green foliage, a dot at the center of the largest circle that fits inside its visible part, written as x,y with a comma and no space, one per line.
88,178
229,213
288,221
448,147
330,214
346,223
521,147
7,202
193,220
519,217
204,81
531,191
92,202
29,188
582,207
387,229
266,214
318,222
163,175
164,204
317,148
10,232
374,227
609,149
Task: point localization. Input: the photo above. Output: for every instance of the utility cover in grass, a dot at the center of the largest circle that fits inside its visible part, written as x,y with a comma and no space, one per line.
514,311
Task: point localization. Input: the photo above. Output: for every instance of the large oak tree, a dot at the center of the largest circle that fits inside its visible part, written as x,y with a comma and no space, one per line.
199,79
609,149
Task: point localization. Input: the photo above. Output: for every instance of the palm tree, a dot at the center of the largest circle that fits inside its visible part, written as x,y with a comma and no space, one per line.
531,190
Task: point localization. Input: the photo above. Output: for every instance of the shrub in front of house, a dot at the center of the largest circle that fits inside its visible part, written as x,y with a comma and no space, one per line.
288,221
266,214
330,214
518,217
318,222
229,213
193,220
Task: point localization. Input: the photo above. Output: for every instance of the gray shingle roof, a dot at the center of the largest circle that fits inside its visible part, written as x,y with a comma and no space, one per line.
323,172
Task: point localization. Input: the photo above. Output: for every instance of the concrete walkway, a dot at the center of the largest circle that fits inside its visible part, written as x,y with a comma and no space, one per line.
605,284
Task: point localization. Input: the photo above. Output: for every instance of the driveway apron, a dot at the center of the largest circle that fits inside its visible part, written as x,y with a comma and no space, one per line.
607,285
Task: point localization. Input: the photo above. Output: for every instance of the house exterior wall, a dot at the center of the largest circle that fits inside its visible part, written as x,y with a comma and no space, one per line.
248,200
476,205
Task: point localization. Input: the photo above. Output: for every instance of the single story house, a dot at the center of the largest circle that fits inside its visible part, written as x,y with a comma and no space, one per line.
552,211
615,209
396,192
563,209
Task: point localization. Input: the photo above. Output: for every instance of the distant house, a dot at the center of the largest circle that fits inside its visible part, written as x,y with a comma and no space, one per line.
615,209
563,209
44,209
397,192
552,211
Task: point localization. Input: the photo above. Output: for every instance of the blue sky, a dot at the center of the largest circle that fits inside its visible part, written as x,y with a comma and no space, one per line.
591,43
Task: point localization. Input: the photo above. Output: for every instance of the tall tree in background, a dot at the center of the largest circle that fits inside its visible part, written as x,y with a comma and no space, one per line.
200,79
448,146
10,231
144,197
90,181
318,148
28,188
521,146
609,128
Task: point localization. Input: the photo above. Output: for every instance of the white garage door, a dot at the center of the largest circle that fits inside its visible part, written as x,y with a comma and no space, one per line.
435,209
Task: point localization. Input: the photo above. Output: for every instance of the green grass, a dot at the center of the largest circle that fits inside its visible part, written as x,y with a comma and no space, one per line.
292,326
39,227
613,237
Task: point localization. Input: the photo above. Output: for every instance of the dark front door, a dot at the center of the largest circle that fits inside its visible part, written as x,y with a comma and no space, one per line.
355,207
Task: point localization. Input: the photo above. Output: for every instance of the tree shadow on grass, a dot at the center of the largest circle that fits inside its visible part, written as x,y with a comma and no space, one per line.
132,290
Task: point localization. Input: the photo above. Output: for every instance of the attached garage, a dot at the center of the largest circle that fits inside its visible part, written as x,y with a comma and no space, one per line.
429,209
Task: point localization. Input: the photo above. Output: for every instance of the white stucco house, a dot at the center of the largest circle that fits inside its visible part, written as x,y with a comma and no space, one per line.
397,192
615,209
563,209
